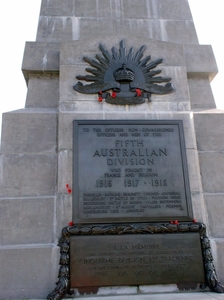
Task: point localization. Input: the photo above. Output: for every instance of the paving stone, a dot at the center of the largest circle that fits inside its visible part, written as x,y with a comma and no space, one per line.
147,289
122,290
163,296
29,131
29,220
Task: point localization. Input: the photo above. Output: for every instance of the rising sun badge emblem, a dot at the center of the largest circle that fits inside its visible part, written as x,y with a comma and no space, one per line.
123,77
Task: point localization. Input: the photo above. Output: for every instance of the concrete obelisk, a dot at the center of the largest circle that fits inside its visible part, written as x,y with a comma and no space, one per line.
36,152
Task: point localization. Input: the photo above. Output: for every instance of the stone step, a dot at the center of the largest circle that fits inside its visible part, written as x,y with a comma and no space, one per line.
162,296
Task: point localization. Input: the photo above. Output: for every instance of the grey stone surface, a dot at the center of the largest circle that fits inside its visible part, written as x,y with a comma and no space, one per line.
164,9
201,93
57,28
209,128
83,105
153,106
72,52
96,9
132,10
28,272
122,290
40,58
43,57
66,118
117,9
215,208
172,9
66,126
67,81
194,170
161,20
200,61
181,32
26,220
179,81
212,171
29,175
29,131
127,27
64,212
163,288
64,170
54,8
220,261
43,91
187,295
1,168
199,208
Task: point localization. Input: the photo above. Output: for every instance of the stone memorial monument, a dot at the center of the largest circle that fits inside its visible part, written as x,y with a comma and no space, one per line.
112,174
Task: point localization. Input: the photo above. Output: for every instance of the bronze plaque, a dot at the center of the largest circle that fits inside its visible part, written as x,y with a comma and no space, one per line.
136,259
130,171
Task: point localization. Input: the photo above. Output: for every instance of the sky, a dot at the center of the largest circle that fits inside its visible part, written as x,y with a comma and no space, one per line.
18,24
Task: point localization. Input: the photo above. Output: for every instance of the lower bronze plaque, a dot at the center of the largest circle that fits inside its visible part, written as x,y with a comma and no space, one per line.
130,171
136,260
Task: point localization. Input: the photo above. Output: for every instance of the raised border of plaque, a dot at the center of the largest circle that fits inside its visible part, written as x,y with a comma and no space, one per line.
130,171
121,231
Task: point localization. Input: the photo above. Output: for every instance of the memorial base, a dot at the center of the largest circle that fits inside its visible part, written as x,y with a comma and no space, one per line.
93,256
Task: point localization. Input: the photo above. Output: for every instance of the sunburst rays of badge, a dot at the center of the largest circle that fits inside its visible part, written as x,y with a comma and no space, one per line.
106,64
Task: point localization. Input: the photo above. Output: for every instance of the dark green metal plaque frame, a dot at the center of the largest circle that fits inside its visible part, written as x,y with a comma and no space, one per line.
63,285
94,150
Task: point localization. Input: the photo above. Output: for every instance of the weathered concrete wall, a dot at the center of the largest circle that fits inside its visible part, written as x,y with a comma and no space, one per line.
165,20
36,158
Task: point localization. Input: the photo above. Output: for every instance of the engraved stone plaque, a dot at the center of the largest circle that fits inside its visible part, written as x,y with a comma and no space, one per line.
136,260
130,171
